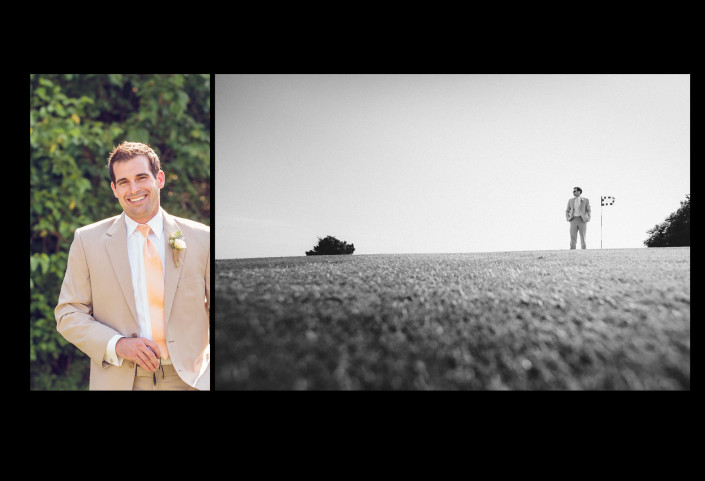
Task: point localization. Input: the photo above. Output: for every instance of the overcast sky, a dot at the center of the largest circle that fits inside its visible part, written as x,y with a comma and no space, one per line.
444,163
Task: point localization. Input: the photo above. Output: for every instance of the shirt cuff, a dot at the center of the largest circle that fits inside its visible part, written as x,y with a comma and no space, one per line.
110,354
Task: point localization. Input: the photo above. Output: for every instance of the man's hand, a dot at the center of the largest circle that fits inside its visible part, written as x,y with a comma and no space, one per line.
140,350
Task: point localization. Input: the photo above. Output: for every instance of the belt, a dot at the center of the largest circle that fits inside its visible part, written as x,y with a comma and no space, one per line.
167,369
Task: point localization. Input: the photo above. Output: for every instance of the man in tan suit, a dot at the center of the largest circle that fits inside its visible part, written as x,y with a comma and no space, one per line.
578,214
106,306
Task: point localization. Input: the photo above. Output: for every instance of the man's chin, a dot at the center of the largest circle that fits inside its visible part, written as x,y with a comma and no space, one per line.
141,216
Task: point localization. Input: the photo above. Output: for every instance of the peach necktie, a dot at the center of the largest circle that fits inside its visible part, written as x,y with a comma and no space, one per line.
155,290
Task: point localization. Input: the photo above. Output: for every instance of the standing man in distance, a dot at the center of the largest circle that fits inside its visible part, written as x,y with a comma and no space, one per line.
134,305
578,214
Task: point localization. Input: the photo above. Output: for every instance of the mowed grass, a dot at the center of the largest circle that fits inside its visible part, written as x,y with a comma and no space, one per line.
578,320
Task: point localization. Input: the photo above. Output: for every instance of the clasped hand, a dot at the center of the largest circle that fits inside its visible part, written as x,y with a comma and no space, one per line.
140,350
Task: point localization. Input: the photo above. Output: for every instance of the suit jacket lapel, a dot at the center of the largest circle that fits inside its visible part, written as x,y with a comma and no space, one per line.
173,273
116,246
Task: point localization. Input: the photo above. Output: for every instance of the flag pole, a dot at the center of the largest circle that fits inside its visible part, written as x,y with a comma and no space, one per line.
602,202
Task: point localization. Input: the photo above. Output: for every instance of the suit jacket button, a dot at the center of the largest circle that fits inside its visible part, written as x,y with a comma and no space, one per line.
131,364
134,335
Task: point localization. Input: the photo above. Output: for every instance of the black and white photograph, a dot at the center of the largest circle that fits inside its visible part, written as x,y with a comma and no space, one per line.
452,232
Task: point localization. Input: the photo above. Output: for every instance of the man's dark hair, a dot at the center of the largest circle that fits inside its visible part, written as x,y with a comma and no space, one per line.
129,150
578,188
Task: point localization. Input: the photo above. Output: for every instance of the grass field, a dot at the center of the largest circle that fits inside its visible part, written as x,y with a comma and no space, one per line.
578,320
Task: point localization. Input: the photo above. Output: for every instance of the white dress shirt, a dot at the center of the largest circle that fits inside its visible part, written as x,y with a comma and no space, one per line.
135,246
576,206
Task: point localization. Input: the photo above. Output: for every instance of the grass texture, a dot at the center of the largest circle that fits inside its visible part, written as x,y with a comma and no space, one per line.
616,319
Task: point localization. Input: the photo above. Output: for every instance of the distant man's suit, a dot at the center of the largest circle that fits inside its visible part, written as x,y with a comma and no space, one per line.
578,219
97,301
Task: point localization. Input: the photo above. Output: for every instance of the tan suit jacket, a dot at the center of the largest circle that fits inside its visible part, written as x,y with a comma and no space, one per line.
585,211
96,300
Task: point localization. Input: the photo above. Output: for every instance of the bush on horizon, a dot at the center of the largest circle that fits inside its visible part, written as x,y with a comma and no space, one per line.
331,246
674,231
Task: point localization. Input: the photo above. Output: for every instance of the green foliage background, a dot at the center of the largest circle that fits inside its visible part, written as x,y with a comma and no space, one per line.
75,121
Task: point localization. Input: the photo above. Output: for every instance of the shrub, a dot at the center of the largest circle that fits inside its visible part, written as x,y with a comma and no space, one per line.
331,246
674,231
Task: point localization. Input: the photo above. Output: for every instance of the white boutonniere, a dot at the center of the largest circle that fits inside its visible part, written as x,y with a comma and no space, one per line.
176,241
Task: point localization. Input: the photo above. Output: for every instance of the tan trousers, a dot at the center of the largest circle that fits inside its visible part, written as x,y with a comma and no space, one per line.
144,380
577,225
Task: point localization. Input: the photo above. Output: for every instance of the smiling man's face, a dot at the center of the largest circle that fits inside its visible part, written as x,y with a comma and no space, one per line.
137,189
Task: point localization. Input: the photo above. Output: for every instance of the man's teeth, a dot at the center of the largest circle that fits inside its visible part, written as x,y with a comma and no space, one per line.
137,199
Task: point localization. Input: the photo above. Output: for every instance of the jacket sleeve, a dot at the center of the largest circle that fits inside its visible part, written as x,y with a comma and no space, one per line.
567,212
588,210
74,311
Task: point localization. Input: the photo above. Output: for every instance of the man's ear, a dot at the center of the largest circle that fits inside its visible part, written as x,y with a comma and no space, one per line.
160,179
112,186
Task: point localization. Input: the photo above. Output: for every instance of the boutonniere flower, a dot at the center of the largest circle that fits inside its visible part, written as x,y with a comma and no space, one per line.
176,241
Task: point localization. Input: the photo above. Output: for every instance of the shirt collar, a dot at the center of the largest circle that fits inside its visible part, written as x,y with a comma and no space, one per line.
156,223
